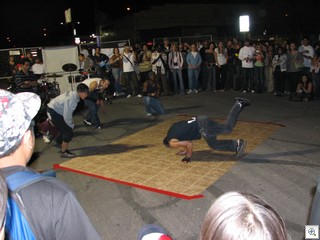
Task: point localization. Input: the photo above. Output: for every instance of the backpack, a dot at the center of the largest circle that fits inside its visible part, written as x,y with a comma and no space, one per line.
17,224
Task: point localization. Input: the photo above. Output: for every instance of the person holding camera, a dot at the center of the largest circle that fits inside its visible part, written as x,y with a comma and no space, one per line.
175,65
151,93
279,67
304,90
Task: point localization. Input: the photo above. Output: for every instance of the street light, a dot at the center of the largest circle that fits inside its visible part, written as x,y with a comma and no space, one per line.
244,23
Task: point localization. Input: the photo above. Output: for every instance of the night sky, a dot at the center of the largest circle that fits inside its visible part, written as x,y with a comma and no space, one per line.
23,22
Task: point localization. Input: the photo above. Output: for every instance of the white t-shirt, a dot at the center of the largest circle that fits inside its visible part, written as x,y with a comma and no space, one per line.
307,62
221,57
37,68
246,52
127,66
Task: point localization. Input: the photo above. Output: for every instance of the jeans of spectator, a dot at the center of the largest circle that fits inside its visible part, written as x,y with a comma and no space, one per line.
210,129
193,76
116,73
153,105
203,76
131,82
65,131
279,80
177,87
221,75
247,78
259,79
270,82
211,83
92,115
162,78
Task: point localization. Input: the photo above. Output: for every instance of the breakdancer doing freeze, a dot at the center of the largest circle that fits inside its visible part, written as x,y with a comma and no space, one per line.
181,134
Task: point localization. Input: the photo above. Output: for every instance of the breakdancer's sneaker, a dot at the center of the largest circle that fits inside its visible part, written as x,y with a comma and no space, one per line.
67,154
241,148
243,102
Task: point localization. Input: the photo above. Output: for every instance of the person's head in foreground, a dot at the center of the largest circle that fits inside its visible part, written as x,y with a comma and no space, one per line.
242,216
16,127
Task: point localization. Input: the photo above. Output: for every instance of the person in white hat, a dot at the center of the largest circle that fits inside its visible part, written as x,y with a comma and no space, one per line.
52,208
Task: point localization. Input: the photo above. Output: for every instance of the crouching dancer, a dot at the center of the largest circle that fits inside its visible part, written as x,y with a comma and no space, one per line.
181,134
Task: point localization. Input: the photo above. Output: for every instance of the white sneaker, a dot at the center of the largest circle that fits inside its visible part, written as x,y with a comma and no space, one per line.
149,115
244,91
139,95
190,91
129,96
195,91
252,91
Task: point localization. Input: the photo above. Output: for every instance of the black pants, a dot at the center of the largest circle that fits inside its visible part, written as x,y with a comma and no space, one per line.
65,131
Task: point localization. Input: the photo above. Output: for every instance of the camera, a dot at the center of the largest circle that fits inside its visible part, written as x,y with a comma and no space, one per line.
175,64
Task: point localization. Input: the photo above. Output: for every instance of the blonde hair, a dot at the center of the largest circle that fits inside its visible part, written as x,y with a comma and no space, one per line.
242,216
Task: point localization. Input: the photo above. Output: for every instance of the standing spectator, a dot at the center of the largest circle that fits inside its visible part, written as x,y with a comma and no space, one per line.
85,63
308,53
194,62
268,66
159,60
279,63
52,208
144,60
151,93
116,67
11,67
24,79
60,111
246,55
184,52
259,70
315,71
231,61
166,48
221,56
294,68
38,68
238,66
100,62
128,59
211,68
30,58
203,76
175,64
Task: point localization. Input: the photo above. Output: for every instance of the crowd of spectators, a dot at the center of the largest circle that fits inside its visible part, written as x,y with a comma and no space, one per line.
246,66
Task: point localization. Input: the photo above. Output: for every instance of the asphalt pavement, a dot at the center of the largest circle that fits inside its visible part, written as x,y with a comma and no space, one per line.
283,169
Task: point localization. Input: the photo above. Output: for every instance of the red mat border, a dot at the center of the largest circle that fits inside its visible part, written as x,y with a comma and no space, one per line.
172,194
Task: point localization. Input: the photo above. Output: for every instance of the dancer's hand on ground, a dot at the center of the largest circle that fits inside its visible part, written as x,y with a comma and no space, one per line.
182,152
